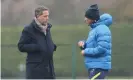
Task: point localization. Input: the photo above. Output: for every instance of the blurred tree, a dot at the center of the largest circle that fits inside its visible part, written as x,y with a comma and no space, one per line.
63,12
7,18
120,10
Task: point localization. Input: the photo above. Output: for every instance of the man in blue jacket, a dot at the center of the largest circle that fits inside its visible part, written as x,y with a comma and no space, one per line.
97,48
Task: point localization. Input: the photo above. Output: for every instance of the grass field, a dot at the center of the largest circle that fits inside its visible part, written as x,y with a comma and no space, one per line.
65,37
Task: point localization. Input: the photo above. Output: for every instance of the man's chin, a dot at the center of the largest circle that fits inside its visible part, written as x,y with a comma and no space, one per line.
44,23
87,23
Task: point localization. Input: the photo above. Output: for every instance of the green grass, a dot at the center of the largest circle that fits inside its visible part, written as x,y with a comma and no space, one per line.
70,34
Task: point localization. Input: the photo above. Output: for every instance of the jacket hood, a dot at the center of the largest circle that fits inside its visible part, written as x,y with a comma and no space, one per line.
105,19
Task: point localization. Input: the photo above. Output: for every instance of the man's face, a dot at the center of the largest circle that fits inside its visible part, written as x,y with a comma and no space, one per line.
88,21
43,19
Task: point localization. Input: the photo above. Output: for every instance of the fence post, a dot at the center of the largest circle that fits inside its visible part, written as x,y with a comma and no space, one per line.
74,61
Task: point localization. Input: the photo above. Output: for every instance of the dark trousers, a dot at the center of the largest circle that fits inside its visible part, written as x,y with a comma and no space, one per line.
97,73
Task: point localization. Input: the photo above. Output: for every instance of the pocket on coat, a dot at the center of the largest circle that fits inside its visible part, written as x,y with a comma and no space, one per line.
34,57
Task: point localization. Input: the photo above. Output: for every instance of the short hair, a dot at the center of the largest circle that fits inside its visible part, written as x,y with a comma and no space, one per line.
39,10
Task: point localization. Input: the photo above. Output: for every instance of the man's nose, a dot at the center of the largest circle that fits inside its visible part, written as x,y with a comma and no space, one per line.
85,19
47,17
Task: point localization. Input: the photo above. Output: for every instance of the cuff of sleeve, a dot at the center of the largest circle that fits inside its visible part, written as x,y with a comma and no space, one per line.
85,51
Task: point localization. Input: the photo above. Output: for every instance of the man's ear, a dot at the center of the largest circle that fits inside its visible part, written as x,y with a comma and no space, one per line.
37,16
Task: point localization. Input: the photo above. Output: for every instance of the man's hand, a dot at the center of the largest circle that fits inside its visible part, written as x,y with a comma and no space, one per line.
80,43
55,47
82,52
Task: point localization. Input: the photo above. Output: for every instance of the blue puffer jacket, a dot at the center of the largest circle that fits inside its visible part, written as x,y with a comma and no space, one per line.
98,45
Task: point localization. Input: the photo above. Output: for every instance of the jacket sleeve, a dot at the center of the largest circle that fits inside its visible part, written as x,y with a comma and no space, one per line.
24,44
103,43
55,46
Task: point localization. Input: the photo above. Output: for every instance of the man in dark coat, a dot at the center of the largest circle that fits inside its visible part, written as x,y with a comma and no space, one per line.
37,42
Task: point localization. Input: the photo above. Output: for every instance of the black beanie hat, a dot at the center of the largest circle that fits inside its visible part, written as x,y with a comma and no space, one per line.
92,12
